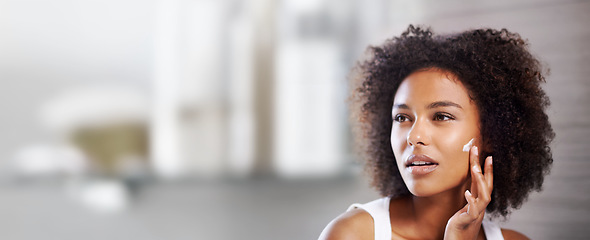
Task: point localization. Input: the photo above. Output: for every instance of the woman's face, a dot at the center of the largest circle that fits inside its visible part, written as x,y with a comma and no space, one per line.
433,119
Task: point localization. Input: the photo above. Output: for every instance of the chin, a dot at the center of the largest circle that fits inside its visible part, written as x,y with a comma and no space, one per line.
422,191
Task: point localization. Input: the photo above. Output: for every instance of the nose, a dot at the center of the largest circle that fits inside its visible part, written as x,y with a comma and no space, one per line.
418,134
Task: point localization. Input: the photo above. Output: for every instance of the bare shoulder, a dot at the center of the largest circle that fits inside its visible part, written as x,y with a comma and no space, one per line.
354,224
513,235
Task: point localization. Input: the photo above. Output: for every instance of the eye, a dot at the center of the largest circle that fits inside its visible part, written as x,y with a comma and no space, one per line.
400,118
443,117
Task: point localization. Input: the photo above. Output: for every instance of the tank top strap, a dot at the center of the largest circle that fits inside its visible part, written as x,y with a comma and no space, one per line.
379,211
492,230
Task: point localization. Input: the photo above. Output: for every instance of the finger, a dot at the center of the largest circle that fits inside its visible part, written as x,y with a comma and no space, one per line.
474,164
489,172
472,209
481,183
483,197
463,218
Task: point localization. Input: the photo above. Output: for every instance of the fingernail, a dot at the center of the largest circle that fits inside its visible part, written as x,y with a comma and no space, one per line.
476,169
475,150
468,192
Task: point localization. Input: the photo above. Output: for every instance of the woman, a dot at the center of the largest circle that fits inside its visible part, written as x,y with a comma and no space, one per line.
452,126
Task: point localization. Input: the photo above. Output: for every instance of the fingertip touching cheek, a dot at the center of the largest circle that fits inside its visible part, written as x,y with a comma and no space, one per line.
468,145
433,120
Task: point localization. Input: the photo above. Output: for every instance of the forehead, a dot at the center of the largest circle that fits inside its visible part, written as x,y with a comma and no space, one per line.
427,86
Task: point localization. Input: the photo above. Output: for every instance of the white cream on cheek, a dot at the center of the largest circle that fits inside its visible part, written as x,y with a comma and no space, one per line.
468,146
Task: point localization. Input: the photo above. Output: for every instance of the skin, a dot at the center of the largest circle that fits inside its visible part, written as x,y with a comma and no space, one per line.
433,116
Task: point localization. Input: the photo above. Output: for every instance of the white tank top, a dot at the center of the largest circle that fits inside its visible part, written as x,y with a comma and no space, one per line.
379,211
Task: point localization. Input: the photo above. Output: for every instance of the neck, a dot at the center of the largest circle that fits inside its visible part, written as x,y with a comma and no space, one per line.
433,212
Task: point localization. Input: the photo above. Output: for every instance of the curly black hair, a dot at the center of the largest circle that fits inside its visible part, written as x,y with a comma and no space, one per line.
502,77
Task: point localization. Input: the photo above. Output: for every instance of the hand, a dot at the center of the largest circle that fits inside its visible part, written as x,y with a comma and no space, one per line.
465,223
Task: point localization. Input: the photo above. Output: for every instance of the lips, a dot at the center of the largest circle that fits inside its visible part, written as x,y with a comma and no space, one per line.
420,164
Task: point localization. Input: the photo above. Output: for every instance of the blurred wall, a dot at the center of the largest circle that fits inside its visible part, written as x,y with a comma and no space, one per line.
231,87
50,47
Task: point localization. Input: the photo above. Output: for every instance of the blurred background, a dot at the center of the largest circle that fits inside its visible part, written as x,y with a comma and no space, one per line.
224,119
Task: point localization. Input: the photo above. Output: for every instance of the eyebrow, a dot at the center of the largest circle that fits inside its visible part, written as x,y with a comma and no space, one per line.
402,106
432,105
444,104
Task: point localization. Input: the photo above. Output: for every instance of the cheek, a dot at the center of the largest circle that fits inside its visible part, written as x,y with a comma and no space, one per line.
398,142
451,145
453,141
